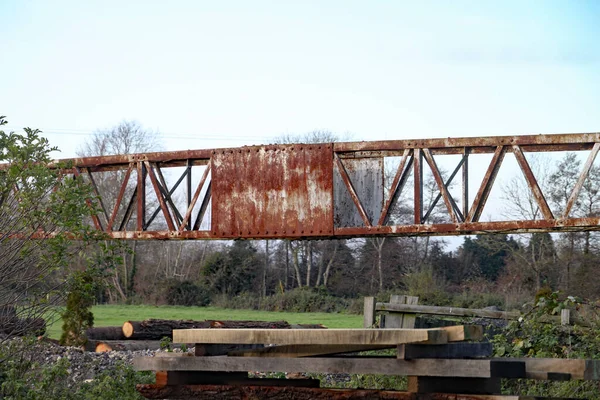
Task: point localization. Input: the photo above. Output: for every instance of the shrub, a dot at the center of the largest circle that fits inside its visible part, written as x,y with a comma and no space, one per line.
533,336
21,378
296,300
186,293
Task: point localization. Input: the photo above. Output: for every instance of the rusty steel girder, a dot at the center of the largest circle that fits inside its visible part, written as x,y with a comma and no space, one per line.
326,190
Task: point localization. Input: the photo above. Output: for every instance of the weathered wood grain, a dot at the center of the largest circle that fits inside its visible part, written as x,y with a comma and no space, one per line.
226,378
427,384
458,350
222,392
306,350
312,336
352,365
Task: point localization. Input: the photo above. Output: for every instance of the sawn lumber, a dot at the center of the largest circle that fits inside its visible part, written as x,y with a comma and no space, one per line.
328,336
351,365
228,392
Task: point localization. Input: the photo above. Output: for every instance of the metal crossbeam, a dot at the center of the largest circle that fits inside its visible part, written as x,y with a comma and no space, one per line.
323,190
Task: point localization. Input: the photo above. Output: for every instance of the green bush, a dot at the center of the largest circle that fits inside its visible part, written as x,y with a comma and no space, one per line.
77,317
305,300
296,300
186,293
22,379
533,336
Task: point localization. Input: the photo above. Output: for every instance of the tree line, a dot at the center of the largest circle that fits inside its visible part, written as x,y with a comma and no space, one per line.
509,267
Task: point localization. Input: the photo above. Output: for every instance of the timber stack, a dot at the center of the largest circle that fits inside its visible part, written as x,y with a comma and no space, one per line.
148,334
442,363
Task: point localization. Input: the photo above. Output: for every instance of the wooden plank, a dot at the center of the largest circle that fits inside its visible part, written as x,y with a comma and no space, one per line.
396,320
210,350
301,350
558,368
469,312
226,378
310,336
460,333
409,318
199,378
451,350
224,392
454,333
427,384
369,312
449,311
351,365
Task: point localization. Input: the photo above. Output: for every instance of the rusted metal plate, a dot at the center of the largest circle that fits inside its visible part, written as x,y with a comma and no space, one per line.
366,177
272,191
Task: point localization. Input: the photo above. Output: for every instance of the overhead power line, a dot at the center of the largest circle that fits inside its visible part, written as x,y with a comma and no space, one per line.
171,135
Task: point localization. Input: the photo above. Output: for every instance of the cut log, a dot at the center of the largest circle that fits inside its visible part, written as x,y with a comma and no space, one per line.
119,345
105,333
250,324
308,326
156,329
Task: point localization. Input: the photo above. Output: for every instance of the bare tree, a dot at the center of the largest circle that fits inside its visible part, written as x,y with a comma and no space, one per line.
35,198
128,137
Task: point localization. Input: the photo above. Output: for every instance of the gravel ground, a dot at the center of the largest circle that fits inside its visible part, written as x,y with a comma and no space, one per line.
84,365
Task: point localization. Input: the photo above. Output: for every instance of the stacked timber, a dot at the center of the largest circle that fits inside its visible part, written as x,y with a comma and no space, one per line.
443,363
148,334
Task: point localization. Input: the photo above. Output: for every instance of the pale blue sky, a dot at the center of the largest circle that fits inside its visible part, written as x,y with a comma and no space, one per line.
229,73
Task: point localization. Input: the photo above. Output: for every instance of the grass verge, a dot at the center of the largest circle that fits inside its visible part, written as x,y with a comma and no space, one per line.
116,315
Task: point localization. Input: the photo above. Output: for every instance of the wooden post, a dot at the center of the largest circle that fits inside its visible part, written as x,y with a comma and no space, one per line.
565,316
401,320
369,312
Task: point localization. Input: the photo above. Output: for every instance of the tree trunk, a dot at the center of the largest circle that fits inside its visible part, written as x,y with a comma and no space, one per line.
130,287
330,263
296,266
266,267
309,264
105,333
287,263
156,329
250,324
378,244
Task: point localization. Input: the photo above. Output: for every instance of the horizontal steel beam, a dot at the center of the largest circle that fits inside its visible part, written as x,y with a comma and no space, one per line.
317,191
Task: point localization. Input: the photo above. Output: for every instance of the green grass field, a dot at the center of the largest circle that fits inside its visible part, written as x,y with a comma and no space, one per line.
116,315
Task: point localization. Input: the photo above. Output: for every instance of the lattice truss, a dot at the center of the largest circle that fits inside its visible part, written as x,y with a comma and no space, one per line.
352,189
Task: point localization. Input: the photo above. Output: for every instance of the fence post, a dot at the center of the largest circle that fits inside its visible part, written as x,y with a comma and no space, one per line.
565,316
369,312
401,320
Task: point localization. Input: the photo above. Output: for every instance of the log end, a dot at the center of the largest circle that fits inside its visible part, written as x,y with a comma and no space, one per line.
102,347
128,329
